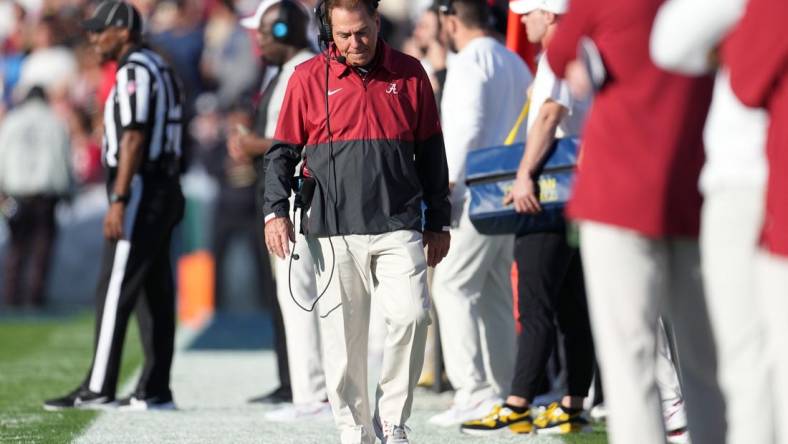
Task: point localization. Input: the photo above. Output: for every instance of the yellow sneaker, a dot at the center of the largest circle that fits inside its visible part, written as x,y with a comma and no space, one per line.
555,421
501,419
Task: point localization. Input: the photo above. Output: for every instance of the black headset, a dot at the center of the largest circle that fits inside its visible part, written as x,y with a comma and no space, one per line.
280,29
324,24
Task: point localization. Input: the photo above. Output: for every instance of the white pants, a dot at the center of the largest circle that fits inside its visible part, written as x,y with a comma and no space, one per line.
392,266
472,290
731,225
630,279
301,327
772,276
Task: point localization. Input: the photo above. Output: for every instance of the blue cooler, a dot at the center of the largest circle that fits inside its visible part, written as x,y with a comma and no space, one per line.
490,173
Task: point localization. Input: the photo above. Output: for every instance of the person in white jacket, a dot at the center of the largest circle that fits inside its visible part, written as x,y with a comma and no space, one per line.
733,183
483,95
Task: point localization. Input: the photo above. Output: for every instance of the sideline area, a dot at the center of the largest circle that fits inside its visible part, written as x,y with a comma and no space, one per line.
216,370
211,389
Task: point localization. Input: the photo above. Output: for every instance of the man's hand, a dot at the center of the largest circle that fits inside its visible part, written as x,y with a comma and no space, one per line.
523,195
235,147
278,233
113,221
437,246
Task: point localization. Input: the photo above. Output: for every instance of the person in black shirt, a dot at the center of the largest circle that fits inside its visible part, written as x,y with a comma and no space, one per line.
141,152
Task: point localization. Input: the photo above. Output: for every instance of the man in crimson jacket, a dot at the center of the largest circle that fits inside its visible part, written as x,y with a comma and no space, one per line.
637,200
364,118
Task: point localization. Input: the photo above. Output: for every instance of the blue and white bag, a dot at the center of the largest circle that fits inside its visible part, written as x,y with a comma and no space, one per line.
490,174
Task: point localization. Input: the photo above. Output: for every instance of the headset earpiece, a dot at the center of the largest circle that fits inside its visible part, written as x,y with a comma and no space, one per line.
280,29
323,25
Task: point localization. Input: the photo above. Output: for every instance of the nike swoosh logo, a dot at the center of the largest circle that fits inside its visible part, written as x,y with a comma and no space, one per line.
334,91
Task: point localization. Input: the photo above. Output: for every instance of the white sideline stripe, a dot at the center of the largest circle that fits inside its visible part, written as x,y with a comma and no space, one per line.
109,315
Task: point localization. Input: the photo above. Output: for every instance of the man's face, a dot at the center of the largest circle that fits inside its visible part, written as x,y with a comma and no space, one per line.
355,34
108,43
426,30
536,23
448,23
271,49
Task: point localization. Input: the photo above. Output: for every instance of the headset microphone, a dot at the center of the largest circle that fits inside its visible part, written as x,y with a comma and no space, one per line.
341,59
296,256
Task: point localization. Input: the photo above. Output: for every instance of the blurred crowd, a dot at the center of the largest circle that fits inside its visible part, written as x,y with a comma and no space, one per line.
217,60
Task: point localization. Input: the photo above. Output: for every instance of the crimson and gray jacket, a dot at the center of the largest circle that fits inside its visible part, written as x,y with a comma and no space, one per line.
387,148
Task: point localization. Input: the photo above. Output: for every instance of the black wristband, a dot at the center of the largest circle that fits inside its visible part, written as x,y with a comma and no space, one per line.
122,198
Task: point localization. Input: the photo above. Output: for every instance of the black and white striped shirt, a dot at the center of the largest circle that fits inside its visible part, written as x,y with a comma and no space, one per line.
146,97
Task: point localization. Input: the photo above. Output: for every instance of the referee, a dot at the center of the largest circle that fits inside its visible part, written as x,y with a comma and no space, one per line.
141,152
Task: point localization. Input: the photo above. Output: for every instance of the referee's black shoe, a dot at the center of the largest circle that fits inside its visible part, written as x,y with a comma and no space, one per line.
279,396
136,403
80,398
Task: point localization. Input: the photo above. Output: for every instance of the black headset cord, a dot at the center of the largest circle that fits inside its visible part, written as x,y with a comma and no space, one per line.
293,255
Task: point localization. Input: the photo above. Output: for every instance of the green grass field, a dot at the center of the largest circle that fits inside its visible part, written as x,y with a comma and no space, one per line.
598,436
45,357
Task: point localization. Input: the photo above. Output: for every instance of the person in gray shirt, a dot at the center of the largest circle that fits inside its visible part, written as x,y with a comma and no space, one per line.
35,173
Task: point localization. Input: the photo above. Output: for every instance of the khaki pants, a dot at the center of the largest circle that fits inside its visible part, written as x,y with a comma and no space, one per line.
392,267
630,279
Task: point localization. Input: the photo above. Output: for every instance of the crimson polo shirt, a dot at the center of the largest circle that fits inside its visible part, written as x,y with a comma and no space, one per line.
642,147
386,155
756,53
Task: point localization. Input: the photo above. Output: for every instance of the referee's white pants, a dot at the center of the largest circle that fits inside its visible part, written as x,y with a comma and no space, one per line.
772,276
393,268
301,327
472,290
731,224
630,279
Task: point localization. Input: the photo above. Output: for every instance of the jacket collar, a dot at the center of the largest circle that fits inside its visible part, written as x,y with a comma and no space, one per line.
125,57
383,59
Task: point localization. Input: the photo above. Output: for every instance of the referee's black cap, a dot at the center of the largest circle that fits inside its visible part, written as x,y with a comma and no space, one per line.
112,13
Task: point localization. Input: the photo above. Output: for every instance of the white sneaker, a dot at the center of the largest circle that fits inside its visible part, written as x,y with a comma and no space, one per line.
134,404
310,411
390,433
598,413
458,414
